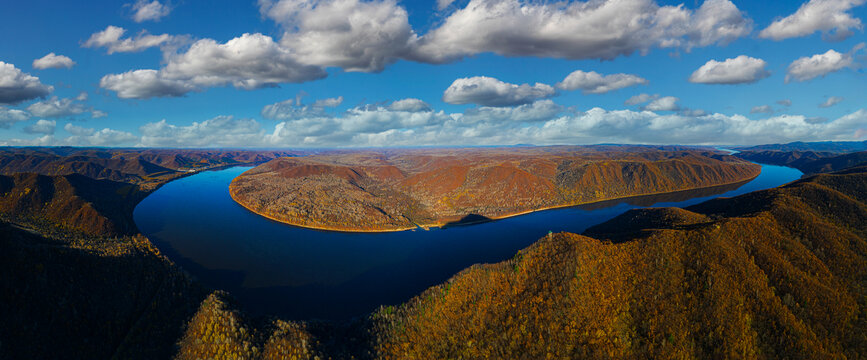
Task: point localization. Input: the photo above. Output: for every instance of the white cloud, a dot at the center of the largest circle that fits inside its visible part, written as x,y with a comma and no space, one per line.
104,137
53,61
219,131
762,109
8,117
808,68
250,61
17,86
831,17
717,21
542,122
740,70
80,137
96,114
110,38
55,107
144,84
149,11
350,34
578,30
640,99
541,110
409,105
45,127
78,130
593,126
595,83
666,103
833,100
488,91
785,102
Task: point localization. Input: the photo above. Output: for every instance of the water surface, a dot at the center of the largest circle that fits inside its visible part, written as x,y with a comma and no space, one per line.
298,273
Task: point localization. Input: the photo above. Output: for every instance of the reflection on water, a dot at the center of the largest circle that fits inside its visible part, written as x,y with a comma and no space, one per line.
297,273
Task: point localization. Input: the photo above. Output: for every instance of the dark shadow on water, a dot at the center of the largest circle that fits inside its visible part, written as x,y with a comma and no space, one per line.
468,220
678,196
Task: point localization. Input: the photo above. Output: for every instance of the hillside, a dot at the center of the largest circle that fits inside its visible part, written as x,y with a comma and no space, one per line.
780,273
395,190
89,297
73,202
809,162
146,167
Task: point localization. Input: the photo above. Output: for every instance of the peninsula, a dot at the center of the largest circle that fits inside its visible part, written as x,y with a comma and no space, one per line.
393,190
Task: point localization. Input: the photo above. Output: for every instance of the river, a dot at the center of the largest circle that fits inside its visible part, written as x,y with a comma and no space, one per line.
297,273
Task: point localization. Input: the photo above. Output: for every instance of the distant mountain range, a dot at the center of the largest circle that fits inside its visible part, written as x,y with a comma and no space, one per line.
824,146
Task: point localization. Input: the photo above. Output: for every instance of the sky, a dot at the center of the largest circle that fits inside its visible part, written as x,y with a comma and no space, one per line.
386,73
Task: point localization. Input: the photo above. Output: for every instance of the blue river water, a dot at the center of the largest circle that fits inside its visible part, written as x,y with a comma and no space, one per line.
297,273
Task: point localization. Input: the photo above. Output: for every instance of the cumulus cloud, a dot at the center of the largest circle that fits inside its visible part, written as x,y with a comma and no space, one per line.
80,136
831,17
740,70
8,116
56,107
640,99
111,40
17,86
409,105
592,126
144,84
104,137
53,60
78,130
488,91
833,100
595,83
351,34
785,102
666,103
578,30
219,131
808,68
762,109
45,127
542,122
149,11
541,110
250,61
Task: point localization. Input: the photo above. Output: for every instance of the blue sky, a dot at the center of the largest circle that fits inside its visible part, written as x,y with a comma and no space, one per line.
478,72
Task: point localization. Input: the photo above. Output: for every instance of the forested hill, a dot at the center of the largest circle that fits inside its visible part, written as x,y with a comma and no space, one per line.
809,162
780,273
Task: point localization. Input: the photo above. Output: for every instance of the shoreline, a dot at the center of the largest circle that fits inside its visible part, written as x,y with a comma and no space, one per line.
441,225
